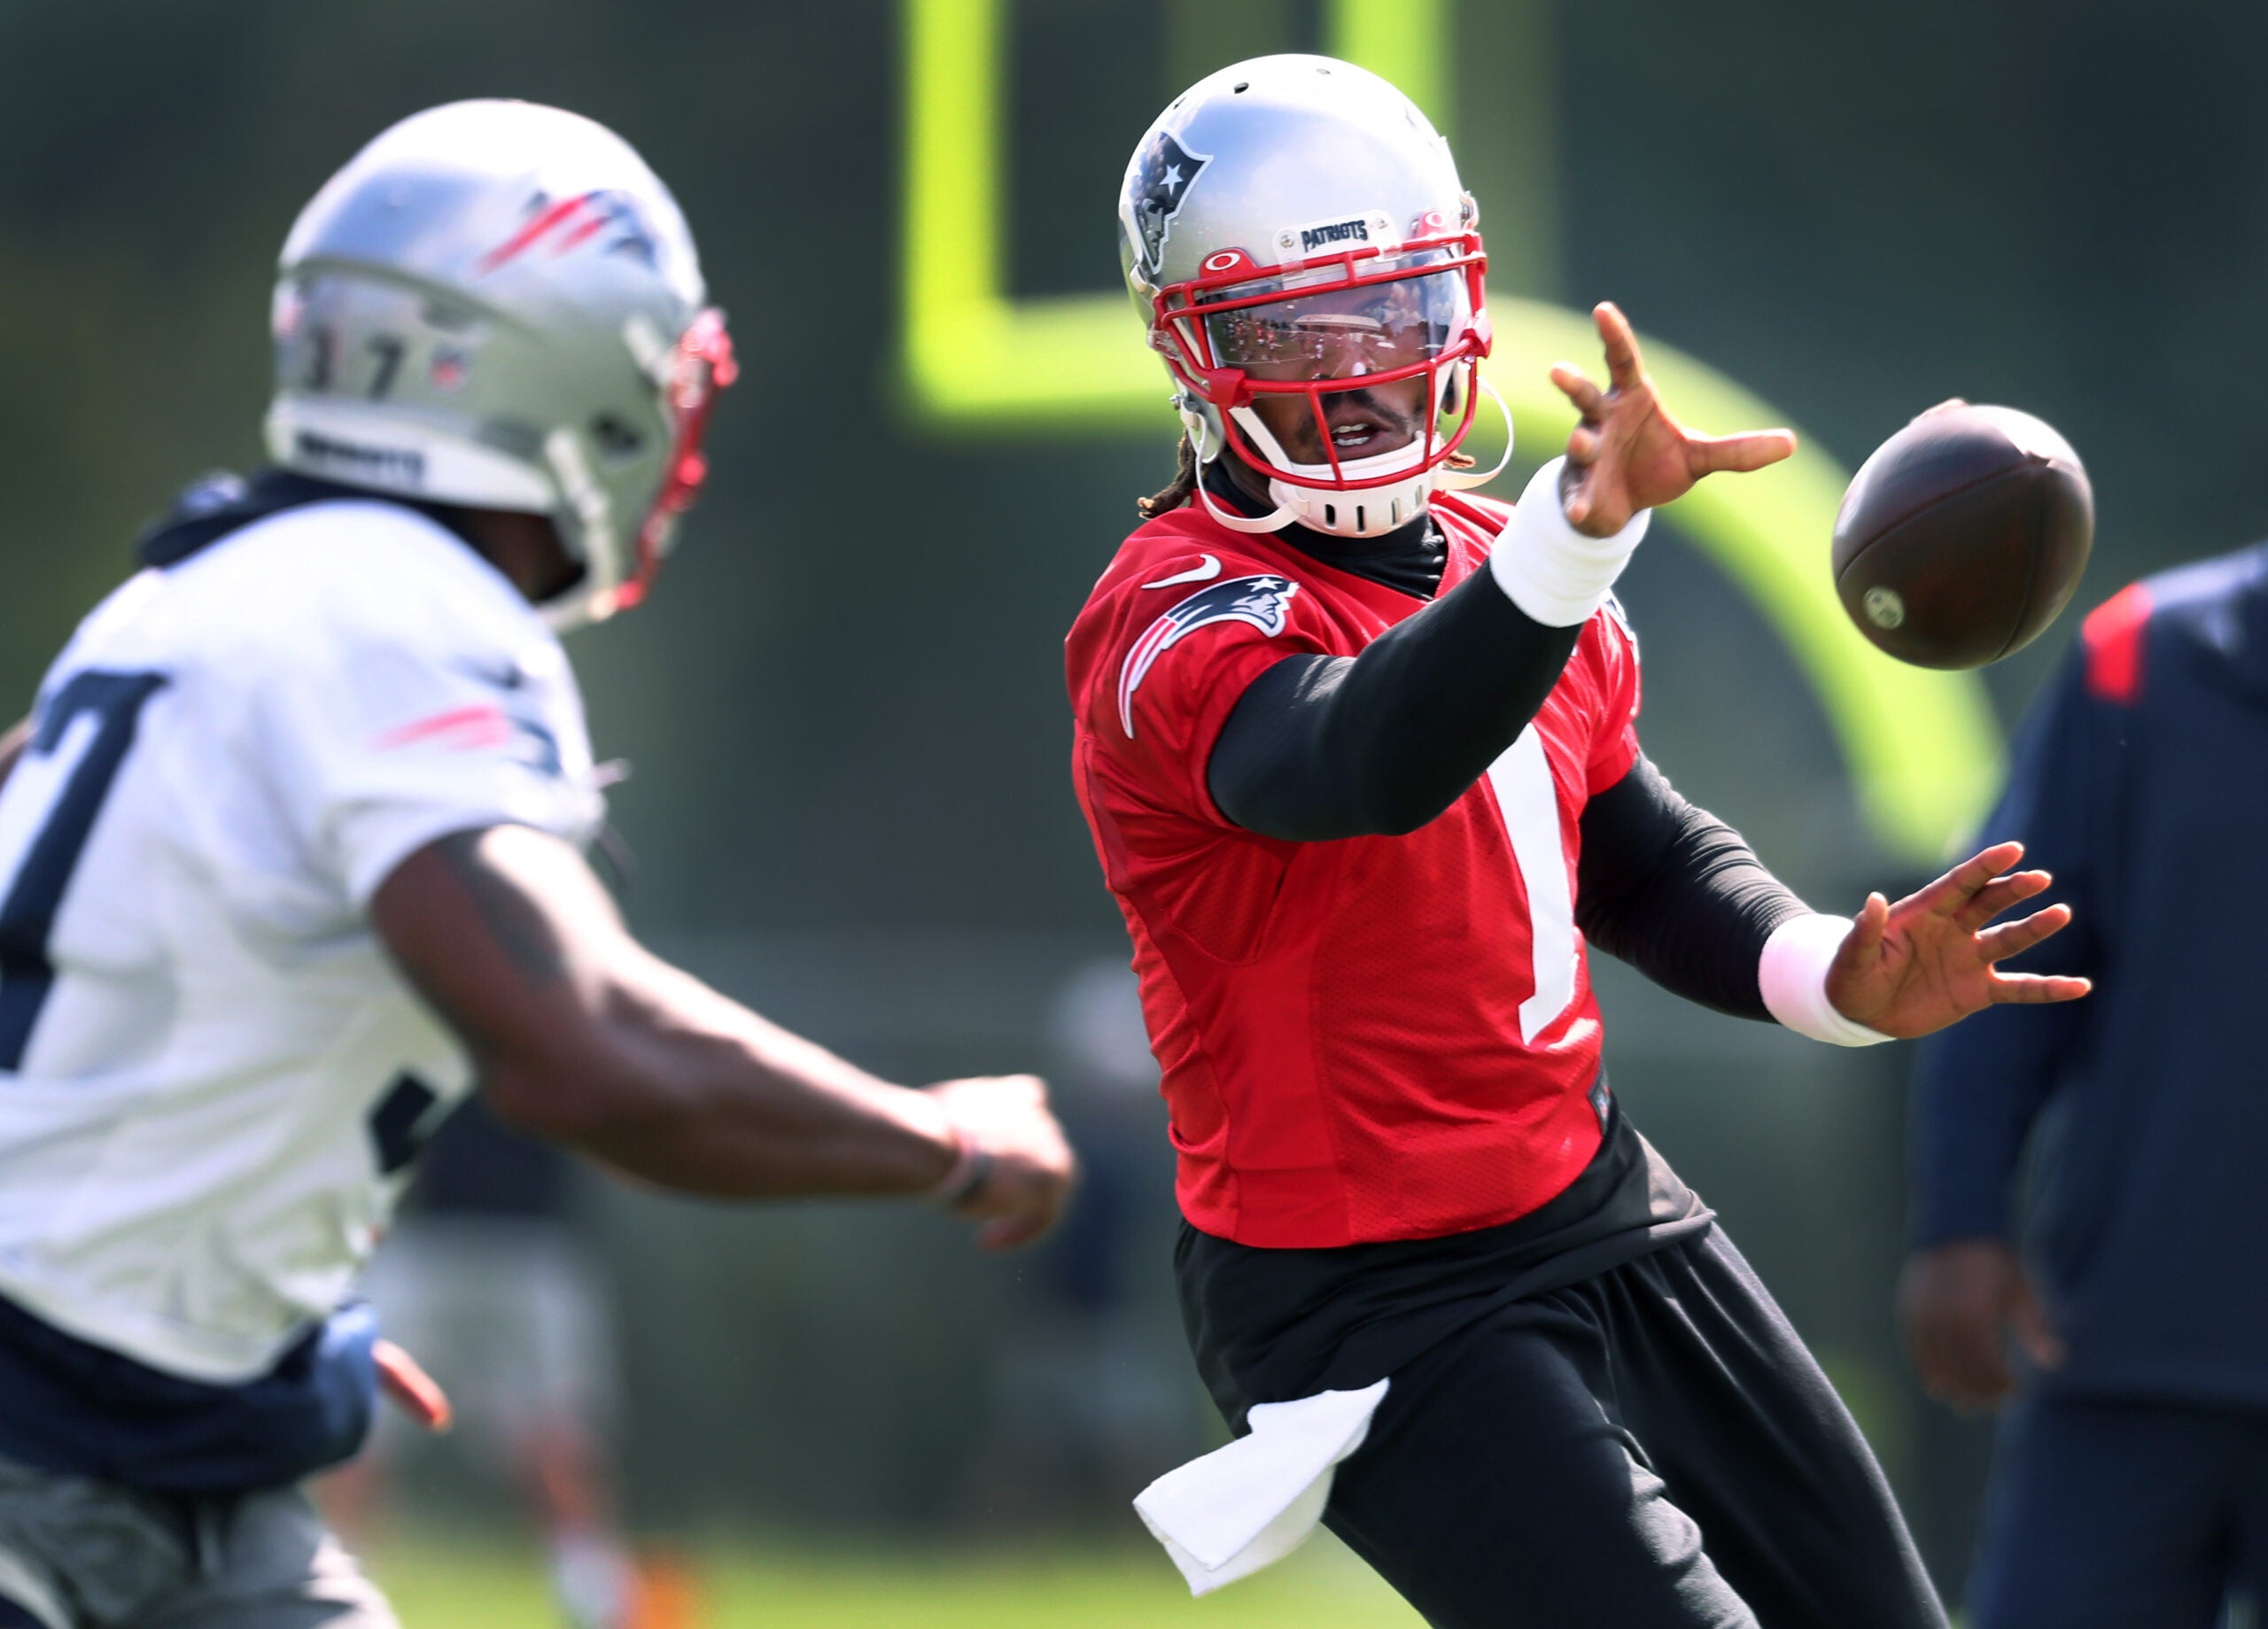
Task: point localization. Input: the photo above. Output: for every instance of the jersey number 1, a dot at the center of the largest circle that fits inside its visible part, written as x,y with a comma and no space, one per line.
1529,803
56,790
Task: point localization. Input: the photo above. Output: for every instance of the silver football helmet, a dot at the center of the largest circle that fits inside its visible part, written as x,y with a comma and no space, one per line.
1292,226
498,305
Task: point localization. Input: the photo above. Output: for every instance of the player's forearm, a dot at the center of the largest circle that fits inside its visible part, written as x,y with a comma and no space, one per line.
583,1037
1322,747
1677,893
688,1090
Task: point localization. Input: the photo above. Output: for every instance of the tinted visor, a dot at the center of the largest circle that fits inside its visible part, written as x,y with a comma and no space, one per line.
1336,332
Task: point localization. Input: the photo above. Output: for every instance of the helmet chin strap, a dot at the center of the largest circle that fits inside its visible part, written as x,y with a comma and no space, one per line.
1464,480
1276,520
590,537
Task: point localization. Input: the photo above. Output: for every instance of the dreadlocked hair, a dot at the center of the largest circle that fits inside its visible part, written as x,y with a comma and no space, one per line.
1175,491
1182,488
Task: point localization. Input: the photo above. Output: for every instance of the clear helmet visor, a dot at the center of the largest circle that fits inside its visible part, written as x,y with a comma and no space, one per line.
1335,331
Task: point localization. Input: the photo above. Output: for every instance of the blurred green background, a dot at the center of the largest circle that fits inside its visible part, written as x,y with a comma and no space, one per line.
844,707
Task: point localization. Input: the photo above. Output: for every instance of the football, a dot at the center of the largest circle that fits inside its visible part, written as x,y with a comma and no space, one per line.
1962,536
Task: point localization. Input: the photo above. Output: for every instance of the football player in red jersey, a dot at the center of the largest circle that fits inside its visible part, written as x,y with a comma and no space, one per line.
1359,758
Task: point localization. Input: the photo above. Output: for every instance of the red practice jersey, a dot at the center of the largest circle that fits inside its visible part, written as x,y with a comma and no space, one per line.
1373,1038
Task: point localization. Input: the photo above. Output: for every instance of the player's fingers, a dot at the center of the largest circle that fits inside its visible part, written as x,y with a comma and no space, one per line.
2001,894
410,1389
1624,366
1590,400
1861,947
1018,1228
2030,1322
2031,989
1960,1361
1583,446
1738,454
1949,893
1997,944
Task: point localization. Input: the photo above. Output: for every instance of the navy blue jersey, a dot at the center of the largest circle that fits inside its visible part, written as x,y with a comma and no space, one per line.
2138,1115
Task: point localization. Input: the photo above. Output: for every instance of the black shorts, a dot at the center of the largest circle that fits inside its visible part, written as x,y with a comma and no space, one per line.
1647,1446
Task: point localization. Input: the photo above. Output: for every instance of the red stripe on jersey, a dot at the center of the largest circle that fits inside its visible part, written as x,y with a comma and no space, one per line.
2113,634
484,724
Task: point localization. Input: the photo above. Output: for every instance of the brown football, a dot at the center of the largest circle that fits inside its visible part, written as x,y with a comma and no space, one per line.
1962,536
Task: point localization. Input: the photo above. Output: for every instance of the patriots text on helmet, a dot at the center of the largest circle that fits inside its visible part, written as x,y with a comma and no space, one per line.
402,464
1315,237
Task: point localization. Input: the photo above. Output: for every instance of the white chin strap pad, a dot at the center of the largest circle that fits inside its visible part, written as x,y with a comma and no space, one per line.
1556,575
1380,505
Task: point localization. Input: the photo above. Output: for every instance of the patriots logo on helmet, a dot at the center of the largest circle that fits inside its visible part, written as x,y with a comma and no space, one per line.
1165,172
573,220
1263,601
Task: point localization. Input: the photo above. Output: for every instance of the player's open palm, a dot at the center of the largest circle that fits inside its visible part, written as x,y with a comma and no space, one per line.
1930,960
1628,453
1027,1168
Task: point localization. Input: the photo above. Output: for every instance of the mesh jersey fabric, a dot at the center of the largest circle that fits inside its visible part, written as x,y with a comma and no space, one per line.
1340,1025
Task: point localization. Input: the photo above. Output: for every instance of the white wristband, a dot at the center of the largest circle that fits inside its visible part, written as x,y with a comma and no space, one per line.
1554,573
1793,974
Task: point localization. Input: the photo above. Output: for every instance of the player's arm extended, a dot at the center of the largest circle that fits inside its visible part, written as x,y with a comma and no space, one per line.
1320,748
583,1037
1678,893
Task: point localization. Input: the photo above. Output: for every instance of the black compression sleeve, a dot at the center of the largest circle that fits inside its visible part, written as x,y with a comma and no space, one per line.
1325,747
1676,893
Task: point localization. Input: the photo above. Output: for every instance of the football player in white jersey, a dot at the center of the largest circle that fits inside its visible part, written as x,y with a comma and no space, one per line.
289,859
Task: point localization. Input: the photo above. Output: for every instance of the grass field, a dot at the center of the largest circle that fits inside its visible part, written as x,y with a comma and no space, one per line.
444,1583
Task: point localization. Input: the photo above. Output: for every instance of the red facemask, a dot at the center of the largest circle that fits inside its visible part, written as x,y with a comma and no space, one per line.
702,366
1359,320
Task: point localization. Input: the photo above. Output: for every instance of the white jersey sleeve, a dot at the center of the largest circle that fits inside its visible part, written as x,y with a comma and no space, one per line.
395,730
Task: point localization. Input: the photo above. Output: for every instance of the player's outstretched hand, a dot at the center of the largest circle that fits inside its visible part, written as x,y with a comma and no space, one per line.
1628,453
410,1389
1927,961
1957,1304
1028,1168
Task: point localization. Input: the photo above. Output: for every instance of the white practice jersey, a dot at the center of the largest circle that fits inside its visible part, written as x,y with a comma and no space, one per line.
211,1076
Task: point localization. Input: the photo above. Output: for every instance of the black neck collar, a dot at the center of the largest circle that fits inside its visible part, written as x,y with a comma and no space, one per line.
218,504
1409,559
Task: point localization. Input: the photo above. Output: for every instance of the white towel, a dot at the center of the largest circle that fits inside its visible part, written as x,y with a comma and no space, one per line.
1240,1508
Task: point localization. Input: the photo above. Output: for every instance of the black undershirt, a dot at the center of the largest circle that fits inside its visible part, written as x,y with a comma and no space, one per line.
1268,1325
1321,748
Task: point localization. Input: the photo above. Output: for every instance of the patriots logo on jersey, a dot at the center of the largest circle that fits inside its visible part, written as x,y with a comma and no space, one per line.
1167,171
1263,601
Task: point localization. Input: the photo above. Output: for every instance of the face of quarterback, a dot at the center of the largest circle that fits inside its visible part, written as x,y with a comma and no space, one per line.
1342,334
